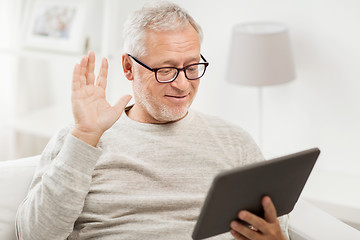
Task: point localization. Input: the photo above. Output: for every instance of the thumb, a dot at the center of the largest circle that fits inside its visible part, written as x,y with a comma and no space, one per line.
121,104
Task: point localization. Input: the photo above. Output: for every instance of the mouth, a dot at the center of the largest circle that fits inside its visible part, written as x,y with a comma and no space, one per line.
177,97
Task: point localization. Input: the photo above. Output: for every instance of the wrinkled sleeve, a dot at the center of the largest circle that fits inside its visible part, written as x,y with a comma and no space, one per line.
58,189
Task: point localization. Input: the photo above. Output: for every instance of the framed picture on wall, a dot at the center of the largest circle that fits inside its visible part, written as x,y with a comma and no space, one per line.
56,25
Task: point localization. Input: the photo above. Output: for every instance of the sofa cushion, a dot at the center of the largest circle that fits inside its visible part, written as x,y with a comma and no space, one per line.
15,179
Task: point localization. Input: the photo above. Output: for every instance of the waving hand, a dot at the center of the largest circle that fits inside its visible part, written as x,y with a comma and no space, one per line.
93,114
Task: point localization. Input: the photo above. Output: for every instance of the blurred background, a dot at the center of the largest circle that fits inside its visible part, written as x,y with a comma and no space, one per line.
321,107
42,40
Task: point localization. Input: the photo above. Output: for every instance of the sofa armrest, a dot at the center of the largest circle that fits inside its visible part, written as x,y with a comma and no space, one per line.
15,180
307,222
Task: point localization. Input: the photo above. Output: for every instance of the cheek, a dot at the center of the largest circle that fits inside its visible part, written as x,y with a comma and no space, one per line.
142,74
147,83
195,85
143,77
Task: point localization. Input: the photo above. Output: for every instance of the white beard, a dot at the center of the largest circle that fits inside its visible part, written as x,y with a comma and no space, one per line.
159,111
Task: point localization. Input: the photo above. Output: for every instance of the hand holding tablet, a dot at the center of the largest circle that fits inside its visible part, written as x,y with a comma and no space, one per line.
244,188
268,227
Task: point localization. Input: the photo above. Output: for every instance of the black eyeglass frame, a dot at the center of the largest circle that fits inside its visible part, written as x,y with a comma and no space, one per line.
205,63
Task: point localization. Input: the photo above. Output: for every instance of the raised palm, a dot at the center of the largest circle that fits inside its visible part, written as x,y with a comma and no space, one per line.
93,114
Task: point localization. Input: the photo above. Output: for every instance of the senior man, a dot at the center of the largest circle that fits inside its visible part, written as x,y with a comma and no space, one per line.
140,172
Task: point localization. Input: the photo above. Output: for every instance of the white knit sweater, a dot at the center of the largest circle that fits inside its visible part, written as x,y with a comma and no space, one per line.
143,181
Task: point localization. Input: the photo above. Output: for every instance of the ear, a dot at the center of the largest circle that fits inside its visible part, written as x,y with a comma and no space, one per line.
127,67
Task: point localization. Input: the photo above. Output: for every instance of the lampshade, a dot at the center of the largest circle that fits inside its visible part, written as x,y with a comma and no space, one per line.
260,55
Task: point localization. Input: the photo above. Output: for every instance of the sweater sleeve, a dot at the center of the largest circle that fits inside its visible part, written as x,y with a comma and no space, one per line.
251,153
58,190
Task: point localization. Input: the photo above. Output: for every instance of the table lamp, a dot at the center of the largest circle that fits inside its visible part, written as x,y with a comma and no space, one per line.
260,55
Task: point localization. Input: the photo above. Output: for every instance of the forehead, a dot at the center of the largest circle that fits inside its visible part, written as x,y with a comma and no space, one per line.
180,41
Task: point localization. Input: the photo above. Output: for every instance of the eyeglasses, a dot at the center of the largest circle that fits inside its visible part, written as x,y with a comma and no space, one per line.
169,74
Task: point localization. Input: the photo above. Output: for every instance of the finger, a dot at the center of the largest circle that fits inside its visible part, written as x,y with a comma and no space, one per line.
102,78
256,222
83,66
90,76
76,83
121,104
269,210
243,231
237,235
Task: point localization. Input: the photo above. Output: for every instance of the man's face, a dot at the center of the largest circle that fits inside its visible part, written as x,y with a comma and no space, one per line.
165,102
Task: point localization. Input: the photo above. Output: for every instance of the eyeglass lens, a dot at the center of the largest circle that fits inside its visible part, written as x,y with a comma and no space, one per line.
191,72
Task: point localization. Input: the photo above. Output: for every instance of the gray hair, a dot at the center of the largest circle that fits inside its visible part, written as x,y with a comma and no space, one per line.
158,16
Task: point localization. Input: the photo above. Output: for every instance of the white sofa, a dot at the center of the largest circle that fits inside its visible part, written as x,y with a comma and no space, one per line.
306,221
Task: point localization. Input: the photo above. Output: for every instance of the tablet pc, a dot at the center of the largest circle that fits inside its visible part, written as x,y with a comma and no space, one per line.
281,178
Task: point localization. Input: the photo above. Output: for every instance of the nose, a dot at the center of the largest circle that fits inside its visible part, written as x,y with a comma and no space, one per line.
181,82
